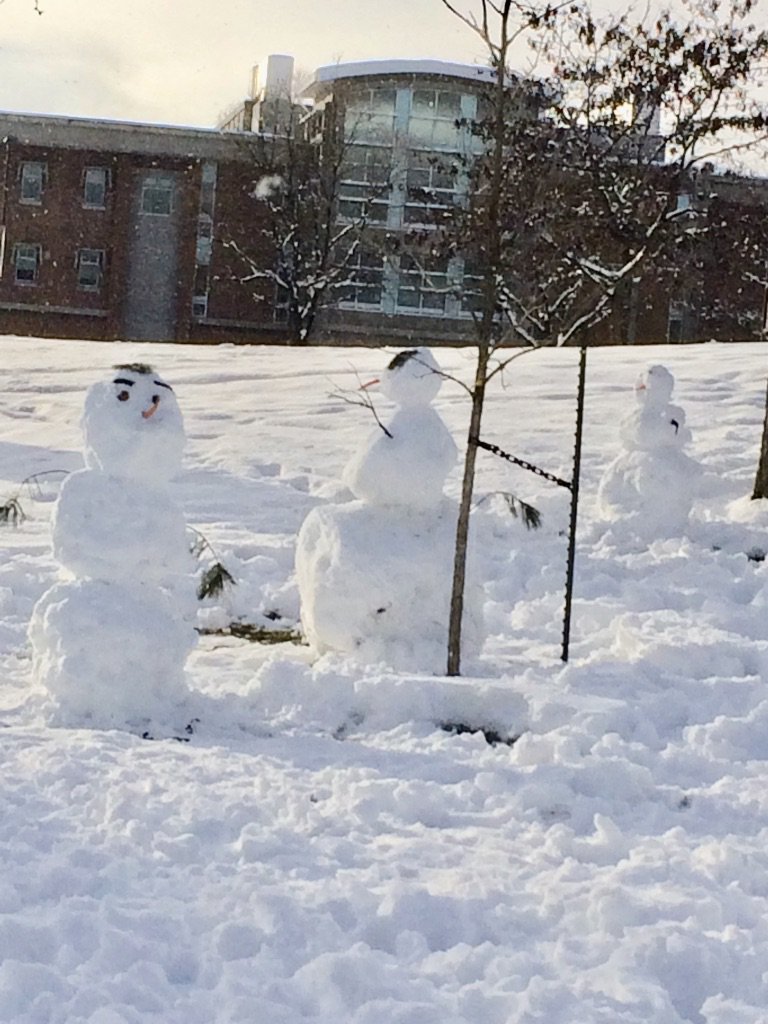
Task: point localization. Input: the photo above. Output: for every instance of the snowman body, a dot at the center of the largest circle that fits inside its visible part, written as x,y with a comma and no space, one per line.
649,488
110,639
375,574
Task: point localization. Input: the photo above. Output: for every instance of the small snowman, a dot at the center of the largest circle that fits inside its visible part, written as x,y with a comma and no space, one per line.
649,488
374,574
109,641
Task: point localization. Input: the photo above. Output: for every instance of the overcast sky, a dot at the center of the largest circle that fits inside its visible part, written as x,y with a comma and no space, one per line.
185,61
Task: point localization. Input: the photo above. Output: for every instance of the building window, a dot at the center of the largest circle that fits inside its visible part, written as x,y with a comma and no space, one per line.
435,117
208,186
678,318
364,185
430,187
200,306
423,286
472,281
90,269
281,304
370,116
95,185
363,286
204,243
33,176
26,260
157,195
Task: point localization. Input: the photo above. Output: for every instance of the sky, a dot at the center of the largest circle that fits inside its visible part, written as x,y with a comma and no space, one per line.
185,62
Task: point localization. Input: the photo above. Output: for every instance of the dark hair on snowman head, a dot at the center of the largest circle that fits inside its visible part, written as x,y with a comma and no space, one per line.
143,368
402,358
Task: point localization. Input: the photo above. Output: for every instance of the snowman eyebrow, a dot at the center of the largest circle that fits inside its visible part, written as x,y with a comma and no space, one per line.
402,358
124,380
162,384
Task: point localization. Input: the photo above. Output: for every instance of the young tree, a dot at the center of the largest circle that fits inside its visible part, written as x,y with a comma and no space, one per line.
313,251
576,189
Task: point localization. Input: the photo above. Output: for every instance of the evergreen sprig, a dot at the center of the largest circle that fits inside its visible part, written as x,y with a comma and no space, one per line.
11,513
528,514
216,578
213,581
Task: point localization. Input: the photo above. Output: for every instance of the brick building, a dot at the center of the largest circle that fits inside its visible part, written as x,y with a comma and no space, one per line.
112,230
107,231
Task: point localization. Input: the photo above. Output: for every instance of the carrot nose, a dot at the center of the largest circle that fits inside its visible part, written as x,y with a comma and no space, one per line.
370,384
146,413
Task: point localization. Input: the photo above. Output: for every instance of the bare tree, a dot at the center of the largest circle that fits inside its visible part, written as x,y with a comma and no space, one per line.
575,189
309,247
739,250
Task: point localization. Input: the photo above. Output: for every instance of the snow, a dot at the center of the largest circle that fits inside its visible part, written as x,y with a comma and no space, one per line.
399,66
331,843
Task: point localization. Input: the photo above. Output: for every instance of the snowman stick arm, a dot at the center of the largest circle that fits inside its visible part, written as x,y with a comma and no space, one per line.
365,402
445,376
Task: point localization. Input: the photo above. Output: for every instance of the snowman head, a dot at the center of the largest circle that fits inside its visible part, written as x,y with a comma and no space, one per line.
654,387
412,378
133,425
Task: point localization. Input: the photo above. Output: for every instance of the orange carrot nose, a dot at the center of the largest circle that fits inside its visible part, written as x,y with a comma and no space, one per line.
146,413
370,384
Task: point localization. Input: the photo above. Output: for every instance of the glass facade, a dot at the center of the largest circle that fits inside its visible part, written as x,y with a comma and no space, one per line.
405,149
366,281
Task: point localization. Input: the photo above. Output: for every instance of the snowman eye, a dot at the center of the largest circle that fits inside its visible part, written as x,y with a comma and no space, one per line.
123,396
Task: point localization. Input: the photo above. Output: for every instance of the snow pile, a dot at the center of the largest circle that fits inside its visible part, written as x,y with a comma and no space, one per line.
348,842
370,569
110,640
649,489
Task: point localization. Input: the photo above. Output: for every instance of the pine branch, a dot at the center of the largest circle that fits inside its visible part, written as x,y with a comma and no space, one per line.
216,578
12,513
528,514
213,581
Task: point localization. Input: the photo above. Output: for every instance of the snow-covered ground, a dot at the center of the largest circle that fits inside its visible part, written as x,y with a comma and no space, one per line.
323,849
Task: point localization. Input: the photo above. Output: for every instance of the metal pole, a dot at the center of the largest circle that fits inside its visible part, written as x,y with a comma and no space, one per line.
574,504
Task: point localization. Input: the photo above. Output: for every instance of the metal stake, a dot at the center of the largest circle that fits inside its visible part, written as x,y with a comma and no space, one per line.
574,504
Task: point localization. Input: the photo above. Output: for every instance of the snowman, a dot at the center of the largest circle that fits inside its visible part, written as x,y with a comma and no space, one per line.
649,488
110,639
374,574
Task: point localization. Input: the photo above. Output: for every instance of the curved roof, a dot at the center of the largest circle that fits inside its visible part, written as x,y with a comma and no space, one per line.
400,66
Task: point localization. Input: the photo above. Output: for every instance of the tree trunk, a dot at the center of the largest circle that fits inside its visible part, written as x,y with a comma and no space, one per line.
465,508
761,477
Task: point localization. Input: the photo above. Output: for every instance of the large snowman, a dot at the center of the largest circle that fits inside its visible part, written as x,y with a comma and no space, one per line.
110,639
374,574
649,488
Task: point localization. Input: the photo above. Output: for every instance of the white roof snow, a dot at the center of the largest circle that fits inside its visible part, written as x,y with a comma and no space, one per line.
398,66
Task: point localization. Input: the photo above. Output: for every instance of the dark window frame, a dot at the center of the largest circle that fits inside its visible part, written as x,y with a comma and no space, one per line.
82,265
153,188
89,204
25,180
32,258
